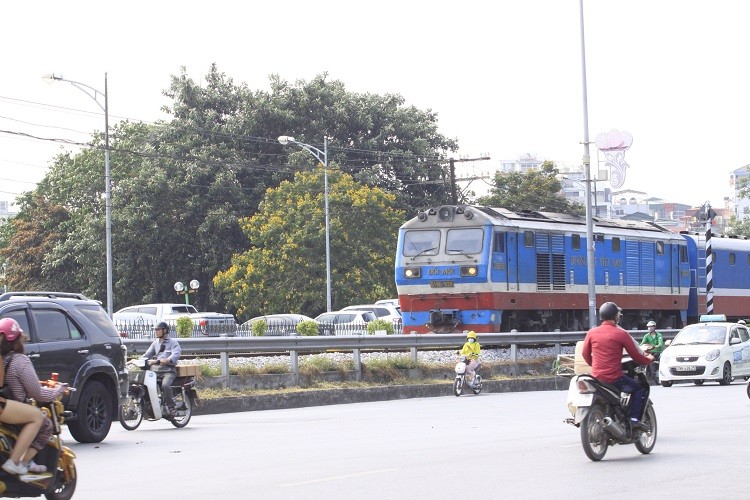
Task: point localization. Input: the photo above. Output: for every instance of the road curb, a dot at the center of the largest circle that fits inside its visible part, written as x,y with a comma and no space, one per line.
325,397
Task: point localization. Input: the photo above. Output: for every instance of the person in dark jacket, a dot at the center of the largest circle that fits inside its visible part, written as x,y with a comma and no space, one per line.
166,352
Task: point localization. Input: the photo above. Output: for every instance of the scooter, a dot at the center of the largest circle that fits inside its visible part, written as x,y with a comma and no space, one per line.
463,379
602,413
59,482
144,398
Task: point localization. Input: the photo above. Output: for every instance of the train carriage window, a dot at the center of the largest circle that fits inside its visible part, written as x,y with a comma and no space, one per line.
615,244
659,248
732,258
748,259
464,241
421,243
575,241
684,258
498,242
528,238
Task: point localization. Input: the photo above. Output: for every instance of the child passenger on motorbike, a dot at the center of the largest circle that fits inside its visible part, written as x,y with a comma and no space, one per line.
471,351
23,381
602,349
167,352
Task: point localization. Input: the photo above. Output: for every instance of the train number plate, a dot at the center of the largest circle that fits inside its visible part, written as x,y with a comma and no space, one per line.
441,284
684,368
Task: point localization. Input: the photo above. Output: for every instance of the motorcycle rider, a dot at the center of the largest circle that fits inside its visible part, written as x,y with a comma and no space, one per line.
166,352
602,349
23,381
656,341
471,351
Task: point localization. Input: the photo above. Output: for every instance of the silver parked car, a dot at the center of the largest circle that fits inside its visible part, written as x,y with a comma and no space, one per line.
345,322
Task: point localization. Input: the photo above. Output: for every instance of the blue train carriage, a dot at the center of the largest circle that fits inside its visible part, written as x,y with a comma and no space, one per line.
731,276
491,270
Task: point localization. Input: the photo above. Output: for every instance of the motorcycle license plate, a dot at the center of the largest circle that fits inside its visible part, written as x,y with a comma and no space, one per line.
584,400
684,368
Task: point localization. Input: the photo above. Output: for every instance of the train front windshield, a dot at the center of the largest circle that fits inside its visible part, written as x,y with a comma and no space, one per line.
458,241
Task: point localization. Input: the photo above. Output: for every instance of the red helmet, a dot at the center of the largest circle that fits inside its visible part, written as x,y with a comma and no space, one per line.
10,328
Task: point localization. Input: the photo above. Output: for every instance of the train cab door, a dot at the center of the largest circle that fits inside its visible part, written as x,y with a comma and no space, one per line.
674,266
501,261
511,252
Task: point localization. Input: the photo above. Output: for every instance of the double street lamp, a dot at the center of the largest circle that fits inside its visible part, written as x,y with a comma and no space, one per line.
322,157
180,288
95,94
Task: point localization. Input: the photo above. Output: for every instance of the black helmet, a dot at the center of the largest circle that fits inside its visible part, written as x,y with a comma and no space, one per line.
162,324
609,311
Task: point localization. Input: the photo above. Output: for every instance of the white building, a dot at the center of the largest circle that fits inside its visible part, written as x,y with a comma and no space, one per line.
740,206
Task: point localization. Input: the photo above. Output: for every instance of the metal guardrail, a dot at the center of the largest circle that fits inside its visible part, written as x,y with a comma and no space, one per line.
223,346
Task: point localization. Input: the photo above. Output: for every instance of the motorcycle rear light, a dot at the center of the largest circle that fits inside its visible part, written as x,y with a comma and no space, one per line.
585,387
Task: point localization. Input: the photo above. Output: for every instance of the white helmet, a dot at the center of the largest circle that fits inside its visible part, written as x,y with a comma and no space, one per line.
651,323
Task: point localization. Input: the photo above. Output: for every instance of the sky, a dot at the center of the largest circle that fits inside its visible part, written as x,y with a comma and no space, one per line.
504,76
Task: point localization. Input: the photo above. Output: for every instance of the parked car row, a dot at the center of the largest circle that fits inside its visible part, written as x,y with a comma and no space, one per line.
137,322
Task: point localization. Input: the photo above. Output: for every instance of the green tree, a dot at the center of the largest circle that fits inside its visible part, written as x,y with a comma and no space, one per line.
739,227
284,270
181,187
535,190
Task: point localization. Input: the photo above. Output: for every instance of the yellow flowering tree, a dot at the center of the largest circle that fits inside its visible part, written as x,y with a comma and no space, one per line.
284,269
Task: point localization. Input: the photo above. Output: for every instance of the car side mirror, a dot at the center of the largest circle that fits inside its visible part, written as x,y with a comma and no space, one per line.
734,340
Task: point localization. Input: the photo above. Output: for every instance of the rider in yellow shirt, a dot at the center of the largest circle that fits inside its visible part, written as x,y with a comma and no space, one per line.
470,351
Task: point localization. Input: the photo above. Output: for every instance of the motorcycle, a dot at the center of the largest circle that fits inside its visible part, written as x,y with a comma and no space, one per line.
59,482
144,398
462,379
602,413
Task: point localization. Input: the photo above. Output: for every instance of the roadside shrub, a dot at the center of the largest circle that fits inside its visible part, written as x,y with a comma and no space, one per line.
380,324
259,328
307,328
313,365
275,368
184,327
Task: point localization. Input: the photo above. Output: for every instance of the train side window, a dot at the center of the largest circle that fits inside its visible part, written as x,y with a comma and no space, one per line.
683,255
732,258
575,241
528,238
615,244
659,248
748,259
498,242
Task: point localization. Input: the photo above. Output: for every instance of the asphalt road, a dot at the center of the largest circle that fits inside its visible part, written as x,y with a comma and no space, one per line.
509,445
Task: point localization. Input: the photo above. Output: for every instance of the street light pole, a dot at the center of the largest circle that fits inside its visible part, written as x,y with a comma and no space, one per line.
322,157
94,94
590,251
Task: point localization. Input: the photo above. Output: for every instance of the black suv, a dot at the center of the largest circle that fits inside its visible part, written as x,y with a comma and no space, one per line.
73,336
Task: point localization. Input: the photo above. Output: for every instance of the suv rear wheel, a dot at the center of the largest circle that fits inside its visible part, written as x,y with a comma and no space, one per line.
94,414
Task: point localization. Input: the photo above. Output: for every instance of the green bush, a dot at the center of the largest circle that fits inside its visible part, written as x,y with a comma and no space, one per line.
307,327
259,328
380,324
184,327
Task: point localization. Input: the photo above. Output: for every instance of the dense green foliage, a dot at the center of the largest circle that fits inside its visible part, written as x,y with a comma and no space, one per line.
536,190
182,188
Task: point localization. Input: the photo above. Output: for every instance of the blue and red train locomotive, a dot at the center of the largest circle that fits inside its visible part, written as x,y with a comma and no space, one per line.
493,270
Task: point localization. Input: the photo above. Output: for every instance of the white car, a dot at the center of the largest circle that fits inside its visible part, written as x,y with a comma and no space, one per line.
710,350
382,311
344,322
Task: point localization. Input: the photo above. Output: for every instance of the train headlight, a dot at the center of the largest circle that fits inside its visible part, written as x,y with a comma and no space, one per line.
412,272
445,214
468,271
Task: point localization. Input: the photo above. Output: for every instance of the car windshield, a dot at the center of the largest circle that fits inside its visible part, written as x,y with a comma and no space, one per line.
701,334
